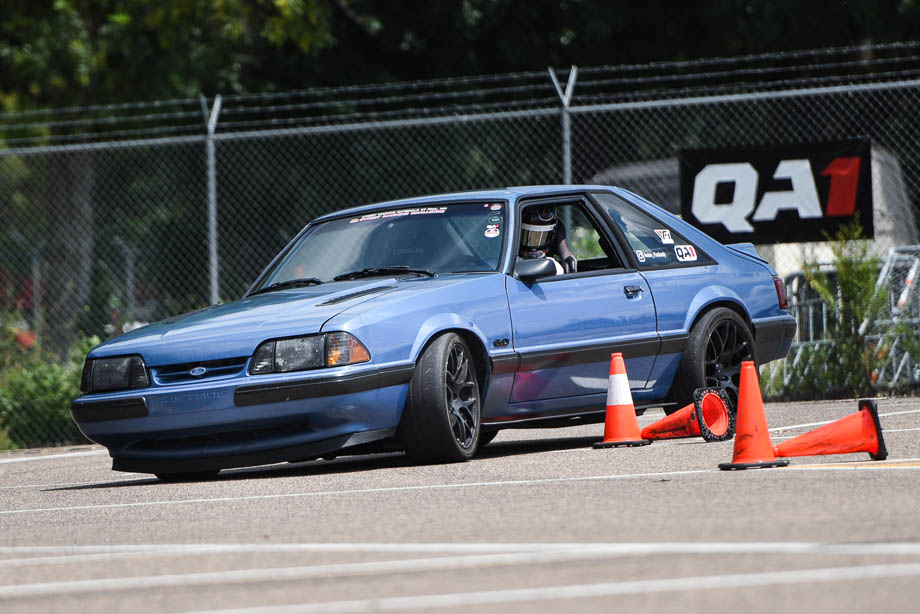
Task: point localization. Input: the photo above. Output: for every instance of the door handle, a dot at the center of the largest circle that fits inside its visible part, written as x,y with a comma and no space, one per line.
632,291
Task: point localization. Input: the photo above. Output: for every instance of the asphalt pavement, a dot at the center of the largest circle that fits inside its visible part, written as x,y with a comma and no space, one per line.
538,520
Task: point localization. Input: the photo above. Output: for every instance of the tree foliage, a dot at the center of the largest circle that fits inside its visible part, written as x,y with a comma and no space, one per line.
66,52
75,52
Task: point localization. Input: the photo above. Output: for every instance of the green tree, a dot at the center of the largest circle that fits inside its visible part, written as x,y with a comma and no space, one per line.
91,52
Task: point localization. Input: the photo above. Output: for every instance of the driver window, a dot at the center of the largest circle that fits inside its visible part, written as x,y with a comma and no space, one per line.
576,238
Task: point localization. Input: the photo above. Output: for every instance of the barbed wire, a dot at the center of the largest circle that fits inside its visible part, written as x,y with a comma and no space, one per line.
371,117
70,123
155,131
239,110
385,87
747,86
739,72
756,57
470,94
120,106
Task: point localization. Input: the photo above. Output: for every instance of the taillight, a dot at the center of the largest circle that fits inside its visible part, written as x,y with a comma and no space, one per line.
780,292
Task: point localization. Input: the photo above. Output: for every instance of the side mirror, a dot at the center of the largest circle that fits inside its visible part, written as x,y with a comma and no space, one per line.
527,270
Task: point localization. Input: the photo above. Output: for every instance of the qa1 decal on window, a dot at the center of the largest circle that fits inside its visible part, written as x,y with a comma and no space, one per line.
784,194
685,253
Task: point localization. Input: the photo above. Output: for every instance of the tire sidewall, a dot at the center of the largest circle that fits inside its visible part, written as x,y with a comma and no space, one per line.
425,428
691,373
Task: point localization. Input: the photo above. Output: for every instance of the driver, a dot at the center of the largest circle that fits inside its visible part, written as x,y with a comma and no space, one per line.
543,236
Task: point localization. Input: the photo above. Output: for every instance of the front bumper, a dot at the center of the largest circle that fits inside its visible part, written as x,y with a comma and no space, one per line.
226,423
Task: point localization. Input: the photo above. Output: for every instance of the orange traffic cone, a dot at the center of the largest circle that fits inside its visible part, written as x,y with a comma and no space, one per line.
753,448
859,432
682,423
708,416
715,413
620,426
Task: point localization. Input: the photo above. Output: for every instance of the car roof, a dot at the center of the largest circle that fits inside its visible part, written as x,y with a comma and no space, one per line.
510,194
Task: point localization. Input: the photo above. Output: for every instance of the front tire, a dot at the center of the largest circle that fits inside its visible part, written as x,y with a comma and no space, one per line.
441,420
719,342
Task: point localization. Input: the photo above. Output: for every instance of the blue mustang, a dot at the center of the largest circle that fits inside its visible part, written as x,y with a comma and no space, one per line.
428,324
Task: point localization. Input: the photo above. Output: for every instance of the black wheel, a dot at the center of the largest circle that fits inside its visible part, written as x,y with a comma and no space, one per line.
440,422
194,476
719,342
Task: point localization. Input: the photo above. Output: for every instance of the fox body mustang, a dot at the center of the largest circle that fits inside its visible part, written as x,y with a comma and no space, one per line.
427,325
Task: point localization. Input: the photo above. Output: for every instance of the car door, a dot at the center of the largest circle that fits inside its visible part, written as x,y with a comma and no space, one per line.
566,326
676,269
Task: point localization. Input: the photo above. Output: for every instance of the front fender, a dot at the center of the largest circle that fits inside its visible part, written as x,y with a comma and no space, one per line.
439,323
395,327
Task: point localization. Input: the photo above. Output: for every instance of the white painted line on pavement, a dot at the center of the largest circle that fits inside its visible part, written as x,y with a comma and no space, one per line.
583,591
898,413
75,554
356,491
548,554
276,574
852,468
41,457
801,426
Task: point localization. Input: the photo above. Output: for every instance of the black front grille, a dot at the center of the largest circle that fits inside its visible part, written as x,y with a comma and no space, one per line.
198,371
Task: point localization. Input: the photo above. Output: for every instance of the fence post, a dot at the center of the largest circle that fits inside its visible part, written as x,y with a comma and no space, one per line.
211,118
566,98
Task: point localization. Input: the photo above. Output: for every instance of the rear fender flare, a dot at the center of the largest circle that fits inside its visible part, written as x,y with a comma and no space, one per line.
710,296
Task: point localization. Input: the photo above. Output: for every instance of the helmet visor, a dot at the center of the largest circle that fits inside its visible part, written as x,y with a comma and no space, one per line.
534,236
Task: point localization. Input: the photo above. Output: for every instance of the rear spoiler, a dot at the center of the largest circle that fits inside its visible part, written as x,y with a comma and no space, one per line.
747,249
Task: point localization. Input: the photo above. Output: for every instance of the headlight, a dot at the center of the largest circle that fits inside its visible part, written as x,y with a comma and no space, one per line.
313,352
110,374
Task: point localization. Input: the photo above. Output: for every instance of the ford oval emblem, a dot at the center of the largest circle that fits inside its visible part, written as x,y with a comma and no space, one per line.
198,371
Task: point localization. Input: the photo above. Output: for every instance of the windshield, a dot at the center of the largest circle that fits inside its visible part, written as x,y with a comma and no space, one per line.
436,239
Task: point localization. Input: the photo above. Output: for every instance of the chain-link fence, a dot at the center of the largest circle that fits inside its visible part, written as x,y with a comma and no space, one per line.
119,215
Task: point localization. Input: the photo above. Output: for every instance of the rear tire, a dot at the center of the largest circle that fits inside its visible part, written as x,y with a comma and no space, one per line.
719,342
441,420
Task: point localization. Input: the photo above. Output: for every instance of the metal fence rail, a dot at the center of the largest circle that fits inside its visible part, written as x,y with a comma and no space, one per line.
117,215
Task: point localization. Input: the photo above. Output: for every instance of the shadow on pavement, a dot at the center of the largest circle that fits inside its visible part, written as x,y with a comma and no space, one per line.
350,464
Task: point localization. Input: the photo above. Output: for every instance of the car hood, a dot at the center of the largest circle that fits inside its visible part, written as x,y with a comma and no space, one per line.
235,329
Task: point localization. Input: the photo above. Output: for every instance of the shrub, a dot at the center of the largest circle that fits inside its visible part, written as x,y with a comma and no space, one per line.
858,339
35,396
35,403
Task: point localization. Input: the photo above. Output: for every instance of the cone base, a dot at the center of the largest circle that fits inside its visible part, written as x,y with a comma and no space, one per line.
621,444
881,453
763,465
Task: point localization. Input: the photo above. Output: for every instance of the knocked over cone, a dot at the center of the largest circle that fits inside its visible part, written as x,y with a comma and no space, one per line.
709,416
859,432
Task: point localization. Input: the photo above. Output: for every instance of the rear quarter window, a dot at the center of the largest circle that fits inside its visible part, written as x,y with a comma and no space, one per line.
653,243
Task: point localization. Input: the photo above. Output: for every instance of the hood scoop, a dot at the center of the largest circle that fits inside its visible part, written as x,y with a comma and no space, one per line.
341,298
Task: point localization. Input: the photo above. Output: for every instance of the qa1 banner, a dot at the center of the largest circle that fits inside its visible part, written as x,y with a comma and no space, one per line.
784,194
